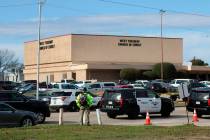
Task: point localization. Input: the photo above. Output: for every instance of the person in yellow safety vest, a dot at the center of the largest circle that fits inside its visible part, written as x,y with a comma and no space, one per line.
84,102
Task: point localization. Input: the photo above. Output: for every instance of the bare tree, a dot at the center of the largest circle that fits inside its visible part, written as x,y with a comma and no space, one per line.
7,61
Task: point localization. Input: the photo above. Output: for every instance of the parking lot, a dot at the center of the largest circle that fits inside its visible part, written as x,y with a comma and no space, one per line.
178,117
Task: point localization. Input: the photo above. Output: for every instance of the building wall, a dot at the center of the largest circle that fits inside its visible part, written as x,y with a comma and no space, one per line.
73,55
61,52
104,75
90,48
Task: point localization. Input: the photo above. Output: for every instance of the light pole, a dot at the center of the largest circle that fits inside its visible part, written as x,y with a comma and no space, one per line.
161,42
40,2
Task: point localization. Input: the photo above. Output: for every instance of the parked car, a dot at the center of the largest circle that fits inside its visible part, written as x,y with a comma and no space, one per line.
65,86
71,81
64,99
7,85
9,116
142,82
133,102
158,87
177,82
195,85
100,86
21,102
26,87
82,84
207,83
44,95
124,86
199,99
137,86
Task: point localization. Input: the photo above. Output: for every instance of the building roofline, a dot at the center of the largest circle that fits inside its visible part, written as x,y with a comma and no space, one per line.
101,35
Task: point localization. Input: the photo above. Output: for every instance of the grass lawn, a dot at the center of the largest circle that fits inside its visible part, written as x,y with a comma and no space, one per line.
76,132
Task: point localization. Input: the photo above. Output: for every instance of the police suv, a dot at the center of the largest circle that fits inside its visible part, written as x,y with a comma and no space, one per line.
133,102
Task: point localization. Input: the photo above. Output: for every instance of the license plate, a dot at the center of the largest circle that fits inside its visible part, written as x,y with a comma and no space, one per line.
198,102
108,106
110,102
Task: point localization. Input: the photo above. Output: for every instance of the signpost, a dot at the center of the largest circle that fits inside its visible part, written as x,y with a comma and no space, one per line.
183,94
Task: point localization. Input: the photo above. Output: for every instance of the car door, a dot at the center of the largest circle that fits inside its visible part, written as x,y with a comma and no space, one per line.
7,115
154,101
143,101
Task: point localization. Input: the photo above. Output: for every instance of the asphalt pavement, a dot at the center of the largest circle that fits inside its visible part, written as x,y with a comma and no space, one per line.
178,117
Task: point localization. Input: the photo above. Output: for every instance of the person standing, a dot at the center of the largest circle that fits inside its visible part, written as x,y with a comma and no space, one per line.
84,102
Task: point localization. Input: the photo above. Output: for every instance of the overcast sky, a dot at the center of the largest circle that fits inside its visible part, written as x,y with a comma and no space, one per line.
18,21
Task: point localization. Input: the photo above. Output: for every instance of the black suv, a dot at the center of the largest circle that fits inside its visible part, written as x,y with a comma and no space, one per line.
199,99
133,102
18,101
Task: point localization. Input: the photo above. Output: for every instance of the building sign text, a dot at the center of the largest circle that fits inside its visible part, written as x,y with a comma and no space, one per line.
47,45
129,43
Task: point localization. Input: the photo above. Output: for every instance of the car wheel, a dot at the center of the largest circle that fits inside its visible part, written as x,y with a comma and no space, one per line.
26,122
73,107
111,115
40,117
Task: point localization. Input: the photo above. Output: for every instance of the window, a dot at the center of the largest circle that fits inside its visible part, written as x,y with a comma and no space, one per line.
109,84
4,107
16,97
56,86
151,94
95,86
141,94
128,94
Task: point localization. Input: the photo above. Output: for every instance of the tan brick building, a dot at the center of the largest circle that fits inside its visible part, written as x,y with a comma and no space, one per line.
101,57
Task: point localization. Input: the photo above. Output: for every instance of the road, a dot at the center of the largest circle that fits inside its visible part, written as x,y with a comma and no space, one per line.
178,117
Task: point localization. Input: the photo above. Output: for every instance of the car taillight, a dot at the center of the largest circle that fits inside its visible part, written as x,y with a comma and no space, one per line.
208,102
63,98
121,102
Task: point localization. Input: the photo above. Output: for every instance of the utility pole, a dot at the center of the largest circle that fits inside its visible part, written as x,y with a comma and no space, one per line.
40,2
161,38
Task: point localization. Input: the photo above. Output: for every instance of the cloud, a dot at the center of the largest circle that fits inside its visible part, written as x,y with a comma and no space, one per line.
195,42
102,23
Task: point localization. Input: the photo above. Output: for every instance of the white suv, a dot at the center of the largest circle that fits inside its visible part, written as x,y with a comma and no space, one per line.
67,100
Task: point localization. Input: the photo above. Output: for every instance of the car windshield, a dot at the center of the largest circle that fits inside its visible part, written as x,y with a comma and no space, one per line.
200,95
113,96
181,81
195,85
109,84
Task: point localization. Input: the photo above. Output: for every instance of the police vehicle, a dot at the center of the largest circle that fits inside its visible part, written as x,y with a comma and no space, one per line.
133,102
